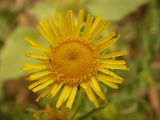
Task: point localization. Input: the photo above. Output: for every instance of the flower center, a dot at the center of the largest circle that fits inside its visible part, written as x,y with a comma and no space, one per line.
73,61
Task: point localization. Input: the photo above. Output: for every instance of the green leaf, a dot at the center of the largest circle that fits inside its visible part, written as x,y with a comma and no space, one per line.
12,57
114,9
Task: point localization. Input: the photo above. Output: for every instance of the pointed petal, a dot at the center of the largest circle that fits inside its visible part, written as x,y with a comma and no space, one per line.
96,88
41,81
89,93
55,89
36,56
70,22
107,82
119,67
80,20
109,78
64,95
109,44
105,40
45,84
88,24
113,54
103,70
61,26
72,97
30,68
47,29
94,25
99,29
114,62
34,44
38,75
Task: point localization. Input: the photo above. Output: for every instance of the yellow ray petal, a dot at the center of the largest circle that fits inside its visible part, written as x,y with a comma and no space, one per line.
99,29
55,89
96,88
70,22
64,95
105,40
38,75
34,44
36,56
114,62
108,44
41,81
47,29
112,85
119,67
80,20
89,93
54,30
66,27
103,70
94,25
72,97
113,54
88,24
30,68
61,26
44,33
45,84
49,25
109,78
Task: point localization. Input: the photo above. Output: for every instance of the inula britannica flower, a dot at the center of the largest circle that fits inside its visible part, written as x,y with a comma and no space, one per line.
50,114
75,58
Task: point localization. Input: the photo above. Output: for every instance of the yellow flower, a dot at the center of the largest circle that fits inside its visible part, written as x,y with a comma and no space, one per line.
74,59
51,114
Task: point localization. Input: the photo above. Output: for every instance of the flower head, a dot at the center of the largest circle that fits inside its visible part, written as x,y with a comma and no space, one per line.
74,59
50,114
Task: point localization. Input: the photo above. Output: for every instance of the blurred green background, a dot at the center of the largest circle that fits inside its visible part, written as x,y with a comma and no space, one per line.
138,23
